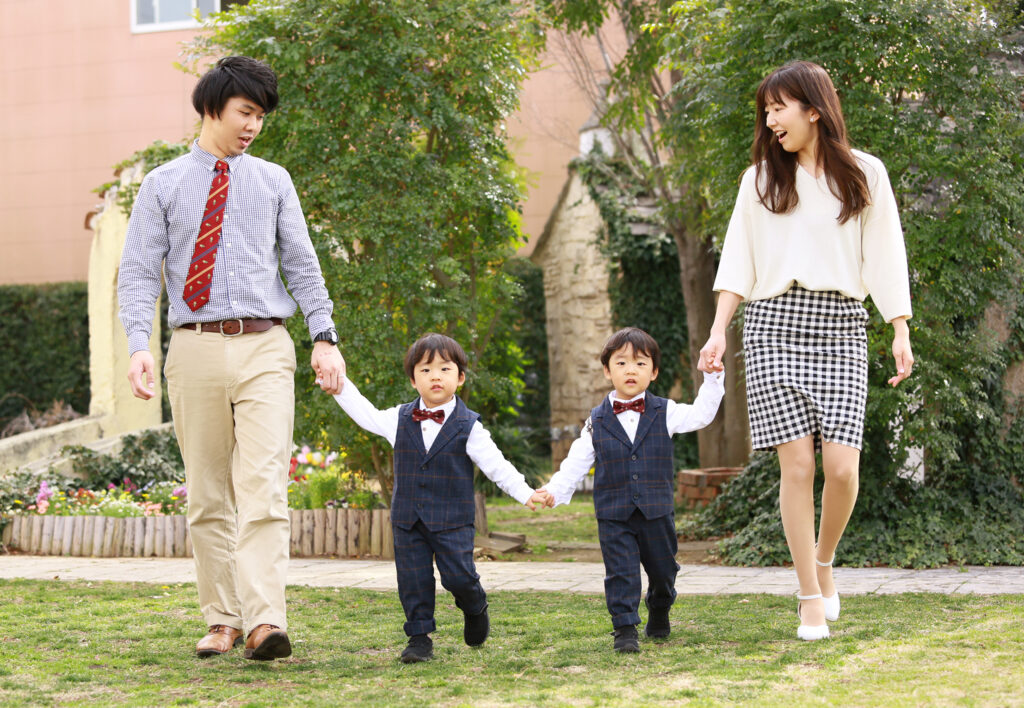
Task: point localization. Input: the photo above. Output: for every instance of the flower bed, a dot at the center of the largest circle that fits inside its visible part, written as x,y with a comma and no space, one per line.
134,505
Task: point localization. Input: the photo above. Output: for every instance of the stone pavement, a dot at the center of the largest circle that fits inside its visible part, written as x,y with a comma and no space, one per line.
537,575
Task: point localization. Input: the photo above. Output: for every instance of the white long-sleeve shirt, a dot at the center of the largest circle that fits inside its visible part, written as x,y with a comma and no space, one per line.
679,418
765,253
479,445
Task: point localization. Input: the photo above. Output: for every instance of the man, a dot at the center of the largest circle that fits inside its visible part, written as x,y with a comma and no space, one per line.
223,225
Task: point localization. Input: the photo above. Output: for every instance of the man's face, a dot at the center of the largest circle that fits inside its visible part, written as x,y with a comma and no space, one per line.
235,128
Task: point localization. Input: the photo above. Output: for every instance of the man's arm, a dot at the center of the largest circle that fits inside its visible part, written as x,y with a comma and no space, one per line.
139,280
306,282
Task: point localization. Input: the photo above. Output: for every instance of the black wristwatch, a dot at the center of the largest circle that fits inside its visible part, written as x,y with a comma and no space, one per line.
328,335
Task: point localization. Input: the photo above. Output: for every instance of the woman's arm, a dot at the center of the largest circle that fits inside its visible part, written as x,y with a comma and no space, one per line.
901,350
711,353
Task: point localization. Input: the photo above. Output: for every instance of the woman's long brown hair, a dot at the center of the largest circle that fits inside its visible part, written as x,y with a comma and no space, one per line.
810,85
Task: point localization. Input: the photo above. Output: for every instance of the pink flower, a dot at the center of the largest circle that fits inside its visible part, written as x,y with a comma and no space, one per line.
43,506
44,492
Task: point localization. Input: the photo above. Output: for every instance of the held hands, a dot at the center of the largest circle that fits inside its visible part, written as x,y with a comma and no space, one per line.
711,354
541,498
329,367
140,375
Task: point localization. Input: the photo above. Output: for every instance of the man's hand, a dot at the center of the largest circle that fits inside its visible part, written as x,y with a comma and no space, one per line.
539,498
140,375
329,367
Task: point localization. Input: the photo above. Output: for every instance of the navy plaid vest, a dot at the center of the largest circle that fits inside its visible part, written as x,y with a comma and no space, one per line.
633,475
434,486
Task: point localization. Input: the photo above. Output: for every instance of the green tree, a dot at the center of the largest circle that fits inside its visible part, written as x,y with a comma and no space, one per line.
391,124
924,86
636,98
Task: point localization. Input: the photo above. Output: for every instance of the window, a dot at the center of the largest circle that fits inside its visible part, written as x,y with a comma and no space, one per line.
162,15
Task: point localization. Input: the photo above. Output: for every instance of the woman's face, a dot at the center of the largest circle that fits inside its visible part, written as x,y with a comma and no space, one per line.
795,128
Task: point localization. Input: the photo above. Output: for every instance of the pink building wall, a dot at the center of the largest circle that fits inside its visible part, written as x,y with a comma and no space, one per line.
80,92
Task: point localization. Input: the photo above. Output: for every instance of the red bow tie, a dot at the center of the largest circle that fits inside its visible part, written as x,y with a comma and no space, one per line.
418,414
637,405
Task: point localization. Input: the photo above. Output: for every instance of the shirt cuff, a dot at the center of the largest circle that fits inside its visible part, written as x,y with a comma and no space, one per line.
137,342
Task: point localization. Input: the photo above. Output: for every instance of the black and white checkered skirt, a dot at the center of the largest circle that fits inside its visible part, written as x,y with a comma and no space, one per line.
806,358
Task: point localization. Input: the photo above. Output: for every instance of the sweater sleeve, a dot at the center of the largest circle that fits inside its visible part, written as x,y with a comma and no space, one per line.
736,267
884,269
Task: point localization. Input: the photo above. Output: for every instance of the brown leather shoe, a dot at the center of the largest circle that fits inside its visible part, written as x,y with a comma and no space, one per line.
219,640
267,642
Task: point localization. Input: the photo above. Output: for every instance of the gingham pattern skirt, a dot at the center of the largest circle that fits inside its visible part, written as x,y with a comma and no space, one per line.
806,364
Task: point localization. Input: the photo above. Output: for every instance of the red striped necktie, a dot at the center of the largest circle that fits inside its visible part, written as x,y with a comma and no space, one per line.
200,269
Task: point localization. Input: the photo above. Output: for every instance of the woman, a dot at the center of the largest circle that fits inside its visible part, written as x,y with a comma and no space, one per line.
814,231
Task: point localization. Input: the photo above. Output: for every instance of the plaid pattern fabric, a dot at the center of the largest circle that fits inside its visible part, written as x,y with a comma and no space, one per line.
806,367
416,549
263,235
637,474
434,486
625,545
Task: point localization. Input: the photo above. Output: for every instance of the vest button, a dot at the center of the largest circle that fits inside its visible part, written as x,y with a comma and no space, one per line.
632,457
636,476
423,467
636,496
423,484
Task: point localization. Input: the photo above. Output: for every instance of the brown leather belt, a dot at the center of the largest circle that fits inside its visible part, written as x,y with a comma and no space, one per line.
232,328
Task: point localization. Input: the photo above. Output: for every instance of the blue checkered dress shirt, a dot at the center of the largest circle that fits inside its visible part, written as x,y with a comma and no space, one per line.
264,234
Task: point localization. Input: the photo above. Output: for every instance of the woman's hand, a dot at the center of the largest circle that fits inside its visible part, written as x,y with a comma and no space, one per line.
711,353
901,351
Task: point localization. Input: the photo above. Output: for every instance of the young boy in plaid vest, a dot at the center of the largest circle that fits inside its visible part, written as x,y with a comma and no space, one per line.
628,442
437,440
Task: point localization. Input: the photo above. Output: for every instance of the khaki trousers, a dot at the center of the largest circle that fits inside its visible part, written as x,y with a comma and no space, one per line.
233,403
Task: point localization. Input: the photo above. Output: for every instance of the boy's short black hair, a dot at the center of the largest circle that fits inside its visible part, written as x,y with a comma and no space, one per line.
235,76
431,345
636,338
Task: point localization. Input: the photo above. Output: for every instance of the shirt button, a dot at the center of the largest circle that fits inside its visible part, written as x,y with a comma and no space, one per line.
232,274
235,302
229,245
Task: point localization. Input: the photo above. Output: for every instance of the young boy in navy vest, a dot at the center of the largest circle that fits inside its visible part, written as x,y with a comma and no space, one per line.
628,442
436,441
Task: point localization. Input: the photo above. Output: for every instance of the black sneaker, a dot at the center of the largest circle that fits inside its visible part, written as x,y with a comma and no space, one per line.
658,626
476,628
626,640
420,648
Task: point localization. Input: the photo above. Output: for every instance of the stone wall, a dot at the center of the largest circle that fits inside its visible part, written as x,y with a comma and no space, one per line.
578,311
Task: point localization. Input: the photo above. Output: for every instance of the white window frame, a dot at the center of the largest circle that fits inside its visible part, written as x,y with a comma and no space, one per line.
165,26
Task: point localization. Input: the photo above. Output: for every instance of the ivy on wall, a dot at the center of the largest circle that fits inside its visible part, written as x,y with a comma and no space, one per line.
643,277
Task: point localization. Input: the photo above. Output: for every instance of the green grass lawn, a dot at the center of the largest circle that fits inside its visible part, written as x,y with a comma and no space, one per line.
68,643
572,522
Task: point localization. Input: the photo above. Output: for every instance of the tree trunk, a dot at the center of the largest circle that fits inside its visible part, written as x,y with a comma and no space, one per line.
726,442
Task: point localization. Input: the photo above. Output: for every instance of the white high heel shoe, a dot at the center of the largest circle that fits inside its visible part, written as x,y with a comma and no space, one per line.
831,603
810,633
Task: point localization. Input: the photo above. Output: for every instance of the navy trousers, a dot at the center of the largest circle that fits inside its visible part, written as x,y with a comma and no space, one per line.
625,545
416,550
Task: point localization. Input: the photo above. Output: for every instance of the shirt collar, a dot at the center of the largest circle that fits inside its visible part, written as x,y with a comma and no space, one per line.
446,407
209,161
612,397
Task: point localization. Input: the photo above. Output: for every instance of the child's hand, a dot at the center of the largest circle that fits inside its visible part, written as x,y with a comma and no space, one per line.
540,497
711,354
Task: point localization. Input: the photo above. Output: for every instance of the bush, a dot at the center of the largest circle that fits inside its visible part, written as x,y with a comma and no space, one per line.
146,458
51,319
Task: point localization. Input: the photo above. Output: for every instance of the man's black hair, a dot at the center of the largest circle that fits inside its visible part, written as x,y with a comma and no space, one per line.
639,340
430,345
235,76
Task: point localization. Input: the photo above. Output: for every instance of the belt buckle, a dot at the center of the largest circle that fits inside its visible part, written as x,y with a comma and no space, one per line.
241,327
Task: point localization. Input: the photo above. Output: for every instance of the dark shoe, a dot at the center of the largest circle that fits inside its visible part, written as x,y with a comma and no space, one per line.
420,648
658,626
626,640
476,628
266,643
219,640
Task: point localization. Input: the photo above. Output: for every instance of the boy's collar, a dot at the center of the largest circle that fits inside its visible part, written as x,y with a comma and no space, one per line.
613,397
446,407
